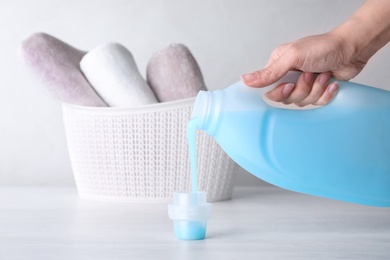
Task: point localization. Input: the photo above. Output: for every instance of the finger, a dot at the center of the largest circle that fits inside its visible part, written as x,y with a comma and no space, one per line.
281,92
318,88
270,74
302,88
328,94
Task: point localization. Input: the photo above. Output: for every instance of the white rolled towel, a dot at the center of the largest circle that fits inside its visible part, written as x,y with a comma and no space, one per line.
111,70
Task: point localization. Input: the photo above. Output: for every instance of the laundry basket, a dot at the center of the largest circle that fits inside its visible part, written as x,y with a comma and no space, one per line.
141,154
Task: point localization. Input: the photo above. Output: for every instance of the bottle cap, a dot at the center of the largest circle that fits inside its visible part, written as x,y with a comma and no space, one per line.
189,212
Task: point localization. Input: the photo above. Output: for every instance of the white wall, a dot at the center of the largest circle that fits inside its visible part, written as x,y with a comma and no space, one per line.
227,38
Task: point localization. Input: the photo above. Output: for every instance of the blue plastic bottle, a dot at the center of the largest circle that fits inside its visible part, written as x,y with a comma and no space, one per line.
339,151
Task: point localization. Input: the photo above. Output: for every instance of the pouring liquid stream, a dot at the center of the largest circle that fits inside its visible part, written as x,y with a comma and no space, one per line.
191,135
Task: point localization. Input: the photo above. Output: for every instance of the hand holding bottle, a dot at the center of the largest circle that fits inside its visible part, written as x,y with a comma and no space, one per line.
341,53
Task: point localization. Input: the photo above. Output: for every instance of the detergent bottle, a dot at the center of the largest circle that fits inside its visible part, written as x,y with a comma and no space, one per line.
339,151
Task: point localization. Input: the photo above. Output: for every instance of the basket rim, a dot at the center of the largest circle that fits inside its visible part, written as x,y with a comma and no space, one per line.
150,108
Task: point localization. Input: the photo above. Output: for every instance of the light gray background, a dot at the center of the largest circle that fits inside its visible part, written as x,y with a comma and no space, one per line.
228,38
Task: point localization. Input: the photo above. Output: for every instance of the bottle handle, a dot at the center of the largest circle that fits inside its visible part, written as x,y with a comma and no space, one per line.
290,77
349,94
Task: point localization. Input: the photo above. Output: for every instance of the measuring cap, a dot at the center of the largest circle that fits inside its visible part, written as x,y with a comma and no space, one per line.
189,212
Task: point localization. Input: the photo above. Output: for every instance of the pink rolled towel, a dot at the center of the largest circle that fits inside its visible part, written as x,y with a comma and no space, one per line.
57,64
173,74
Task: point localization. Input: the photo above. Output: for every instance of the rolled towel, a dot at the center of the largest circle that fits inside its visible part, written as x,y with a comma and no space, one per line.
173,74
57,64
111,70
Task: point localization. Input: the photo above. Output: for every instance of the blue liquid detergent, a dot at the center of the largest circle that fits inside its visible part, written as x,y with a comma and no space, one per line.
339,151
190,230
191,135
189,212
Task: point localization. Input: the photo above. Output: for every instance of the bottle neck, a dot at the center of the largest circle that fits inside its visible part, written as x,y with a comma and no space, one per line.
207,109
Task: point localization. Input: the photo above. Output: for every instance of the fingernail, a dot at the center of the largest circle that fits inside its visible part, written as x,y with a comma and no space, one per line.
308,77
250,77
287,89
324,78
333,87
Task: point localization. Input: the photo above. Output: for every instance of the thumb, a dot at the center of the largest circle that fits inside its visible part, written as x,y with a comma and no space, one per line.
273,72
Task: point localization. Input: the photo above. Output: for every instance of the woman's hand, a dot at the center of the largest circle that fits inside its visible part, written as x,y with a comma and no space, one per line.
325,54
341,53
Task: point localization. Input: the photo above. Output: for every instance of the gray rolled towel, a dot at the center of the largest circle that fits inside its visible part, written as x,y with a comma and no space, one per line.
173,74
56,63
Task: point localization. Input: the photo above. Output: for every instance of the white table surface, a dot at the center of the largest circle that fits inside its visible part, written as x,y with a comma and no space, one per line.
258,223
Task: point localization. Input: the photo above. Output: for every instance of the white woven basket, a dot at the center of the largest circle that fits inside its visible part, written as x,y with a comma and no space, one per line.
141,154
